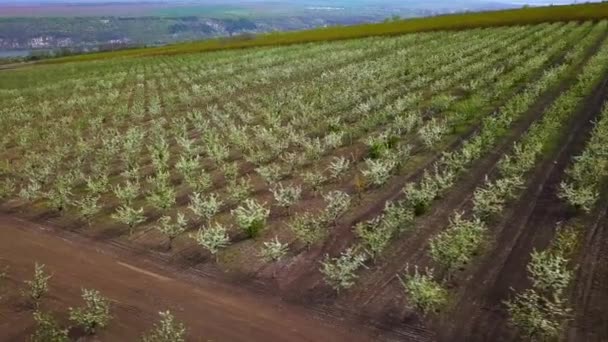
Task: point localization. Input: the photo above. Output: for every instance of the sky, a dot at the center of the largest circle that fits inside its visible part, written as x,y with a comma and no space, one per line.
329,2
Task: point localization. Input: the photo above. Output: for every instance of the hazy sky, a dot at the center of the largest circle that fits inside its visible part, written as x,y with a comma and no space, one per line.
329,2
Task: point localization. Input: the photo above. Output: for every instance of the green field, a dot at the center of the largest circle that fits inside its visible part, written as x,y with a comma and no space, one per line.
594,11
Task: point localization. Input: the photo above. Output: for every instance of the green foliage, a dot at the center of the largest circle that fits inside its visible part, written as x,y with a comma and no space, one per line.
586,175
432,132
338,167
88,207
37,287
549,272
378,171
162,197
287,196
531,15
251,217
7,187
425,293
271,173
273,250
129,216
581,196
205,208
540,312
239,190
60,192
212,238
379,146
314,180
538,317
338,203
491,199
376,233
127,193
455,246
167,330
94,315
47,329
339,272
308,228
172,228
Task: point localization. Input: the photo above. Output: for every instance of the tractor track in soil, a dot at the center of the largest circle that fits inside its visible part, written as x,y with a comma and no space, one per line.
404,250
139,288
382,296
589,297
387,307
307,282
529,224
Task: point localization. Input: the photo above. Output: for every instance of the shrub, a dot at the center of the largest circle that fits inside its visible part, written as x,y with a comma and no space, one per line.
205,208
314,180
287,196
31,191
339,272
337,204
549,272
424,292
251,217
239,190
307,228
37,287
167,330
338,166
163,197
127,193
172,229
378,146
377,172
333,139
271,173
231,171
88,207
583,197
491,199
187,166
432,132
273,250
420,198
47,329
129,216
60,192
199,181
375,236
7,187
94,315
456,245
212,238
397,217
538,317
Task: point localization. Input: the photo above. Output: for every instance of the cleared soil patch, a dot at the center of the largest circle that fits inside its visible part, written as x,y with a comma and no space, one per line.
139,290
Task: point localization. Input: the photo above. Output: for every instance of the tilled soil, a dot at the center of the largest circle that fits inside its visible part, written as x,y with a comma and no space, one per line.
530,224
138,290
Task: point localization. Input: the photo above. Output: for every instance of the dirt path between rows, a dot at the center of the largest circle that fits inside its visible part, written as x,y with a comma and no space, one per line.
527,225
139,289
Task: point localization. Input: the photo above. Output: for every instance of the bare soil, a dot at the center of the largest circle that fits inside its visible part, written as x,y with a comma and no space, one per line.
139,289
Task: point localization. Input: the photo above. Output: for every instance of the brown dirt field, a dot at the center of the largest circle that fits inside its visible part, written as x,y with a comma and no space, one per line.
139,289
